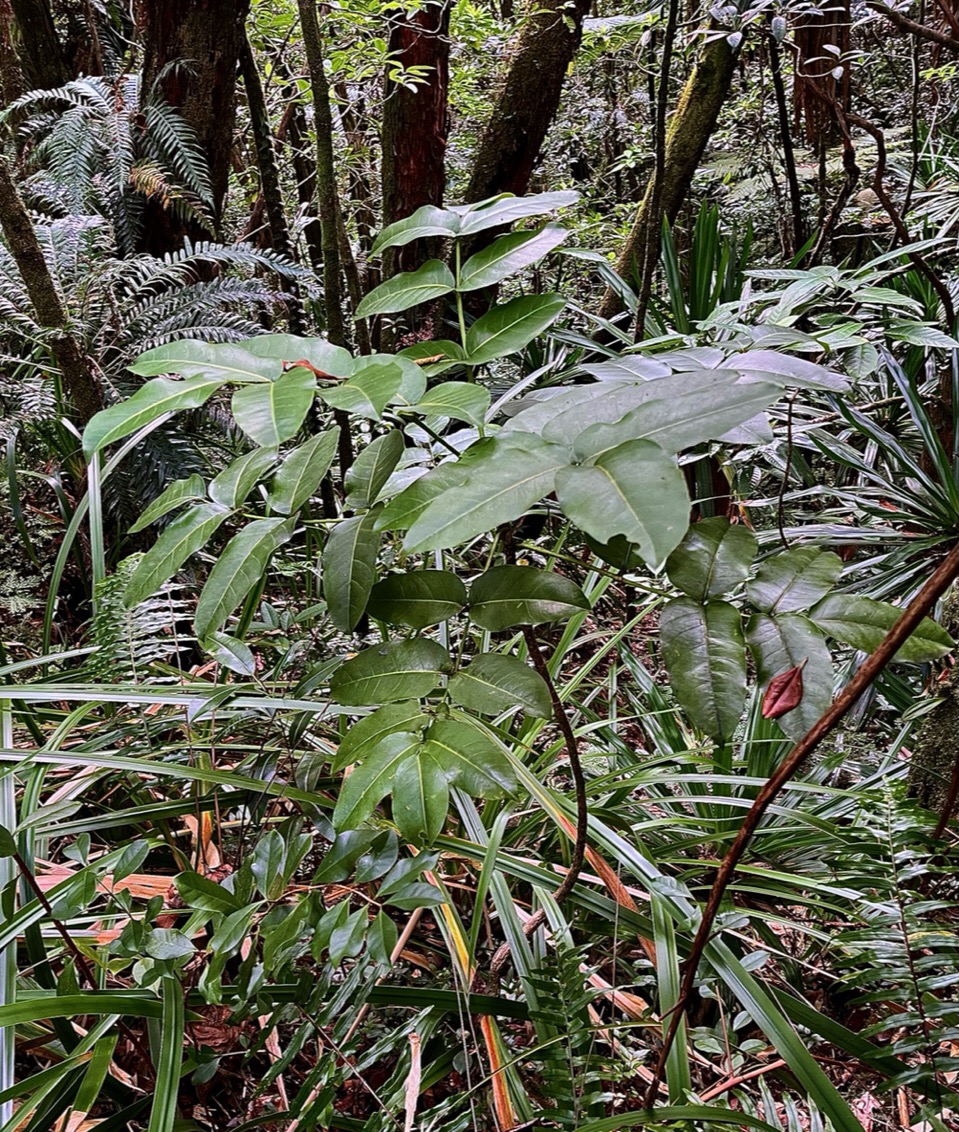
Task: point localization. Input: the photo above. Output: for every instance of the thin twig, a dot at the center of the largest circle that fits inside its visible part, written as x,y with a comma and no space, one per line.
917,609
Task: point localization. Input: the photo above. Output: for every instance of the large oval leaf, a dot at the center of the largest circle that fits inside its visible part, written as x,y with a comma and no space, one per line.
408,289
705,656
425,221
184,536
401,670
421,797
507,596
494,683
713,558
369,783
505,209
635,490
862,623
455,399
299,476
417,599
290,348
237,479
794,580
176,495
779,644
349,565
222,361
368,393
237,571
507,255
372,468
472,760
508,328
272,412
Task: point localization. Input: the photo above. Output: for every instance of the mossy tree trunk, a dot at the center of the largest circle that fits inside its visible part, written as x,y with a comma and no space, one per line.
41,52
538,63
689,132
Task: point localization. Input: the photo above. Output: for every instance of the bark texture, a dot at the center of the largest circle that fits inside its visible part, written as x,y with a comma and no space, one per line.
39,48
538,62
192,48
76,374
692,125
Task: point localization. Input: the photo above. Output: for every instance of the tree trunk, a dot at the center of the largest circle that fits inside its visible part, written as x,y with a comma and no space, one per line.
415,124
76,374
203,40
689,132
11,73
40,50
527,104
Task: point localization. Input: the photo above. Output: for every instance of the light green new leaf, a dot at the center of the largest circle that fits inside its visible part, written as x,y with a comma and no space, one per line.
780,643
367,732
153,400
299,476
471,759
273,412
508,328
523,595
368,393
372,468
349,566
505,209
425,221
713,558
401,670
505,478
794,580
236,481
635,490
191,489
507,255
237,571
183,537
862,623
368,784
421,797
412,381
494,683
418,598
408,289
455,399
705,656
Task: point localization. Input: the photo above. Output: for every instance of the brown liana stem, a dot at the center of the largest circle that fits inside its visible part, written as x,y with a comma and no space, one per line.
916,610
579,788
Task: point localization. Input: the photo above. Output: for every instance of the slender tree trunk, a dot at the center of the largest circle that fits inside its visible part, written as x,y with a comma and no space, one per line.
415,124
270,176
202,39
76,374
11,73
692,126
293,131
529,98
40,50
789,156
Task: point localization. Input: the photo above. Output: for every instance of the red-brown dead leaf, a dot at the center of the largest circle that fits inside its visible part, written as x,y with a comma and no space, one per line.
784,692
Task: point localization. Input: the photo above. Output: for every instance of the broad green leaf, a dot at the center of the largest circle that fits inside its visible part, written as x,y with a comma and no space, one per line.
505,477
504,209
455,399
522,595
167,943
191,489
421,797
299,476
412,380
368,393
403,510
794,580
400,670
231,653
184,536
198,891
862,623
290,348
507,255
787,369
629,367
372,468
408,289
472,760
705,656
713,558
153,400
368,784
635,490
434,357
266,864
418,598
780,643
237,570
273,412
349,565
213,361
509,328
681,417
425,221
405,716
494,683
231,487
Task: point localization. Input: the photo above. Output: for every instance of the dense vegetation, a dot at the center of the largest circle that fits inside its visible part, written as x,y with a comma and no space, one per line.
477,600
